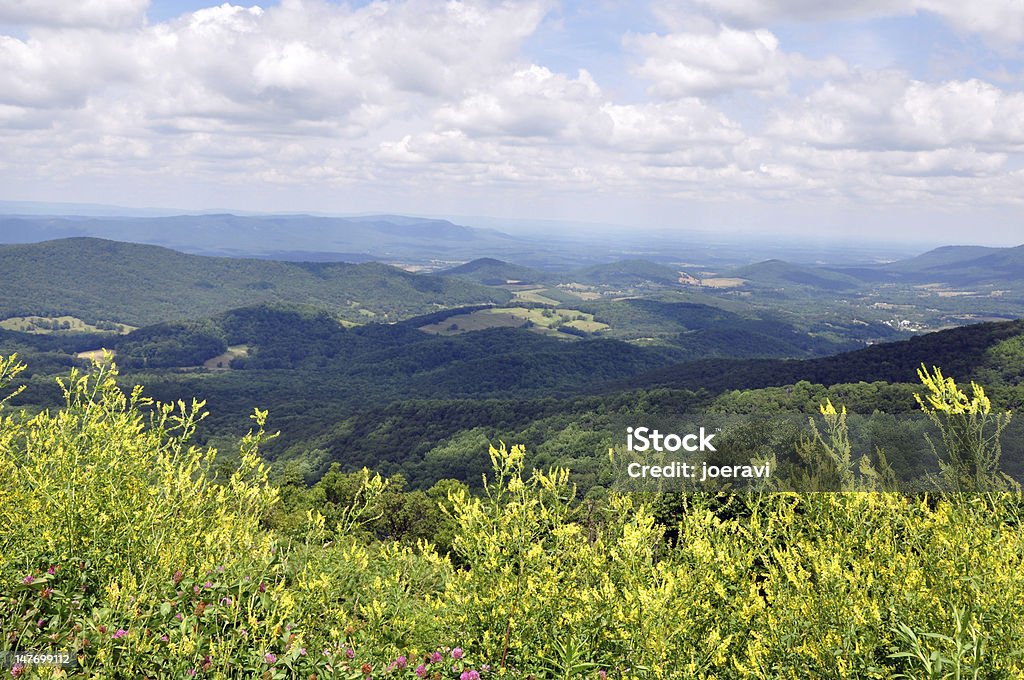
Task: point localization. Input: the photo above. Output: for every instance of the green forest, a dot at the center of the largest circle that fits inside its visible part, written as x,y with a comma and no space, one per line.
361,472
390,397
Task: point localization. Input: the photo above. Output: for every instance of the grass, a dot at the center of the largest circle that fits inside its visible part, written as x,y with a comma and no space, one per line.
96,354
588,326
144,556
580,290
536,297
475,321
223,361
42,325
544,320
723,282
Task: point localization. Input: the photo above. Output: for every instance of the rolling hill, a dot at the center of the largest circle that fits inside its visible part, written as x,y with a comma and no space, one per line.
492,272
961,352
100,280
948,265
964,265
626,274
952,266
780,274
387,394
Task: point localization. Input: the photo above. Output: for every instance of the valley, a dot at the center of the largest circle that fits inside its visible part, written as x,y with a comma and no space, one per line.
413,373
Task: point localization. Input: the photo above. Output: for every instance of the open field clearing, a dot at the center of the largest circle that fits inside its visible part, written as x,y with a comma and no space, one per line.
588,326
223,361
56,324
545,321
536,296
477,321
96,354
723,282
582,291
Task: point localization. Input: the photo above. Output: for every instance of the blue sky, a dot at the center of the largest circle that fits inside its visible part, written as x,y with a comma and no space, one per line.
894,119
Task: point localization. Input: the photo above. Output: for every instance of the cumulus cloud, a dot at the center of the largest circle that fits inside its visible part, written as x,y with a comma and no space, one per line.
296,61
1000,20
708,63
538,126
892,111
314,61
665,128
530,102
761,12
49,72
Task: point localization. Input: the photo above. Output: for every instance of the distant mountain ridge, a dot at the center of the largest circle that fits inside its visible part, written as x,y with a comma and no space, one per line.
947,265
963,265
380,237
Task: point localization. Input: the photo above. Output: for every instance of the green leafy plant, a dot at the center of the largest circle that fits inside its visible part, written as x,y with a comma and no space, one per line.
970,433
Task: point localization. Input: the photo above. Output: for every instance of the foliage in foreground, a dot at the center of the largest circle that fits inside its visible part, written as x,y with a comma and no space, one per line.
123,546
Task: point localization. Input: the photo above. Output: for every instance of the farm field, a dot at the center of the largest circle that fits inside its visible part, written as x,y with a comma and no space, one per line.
535,296
545,321
54,324
223,361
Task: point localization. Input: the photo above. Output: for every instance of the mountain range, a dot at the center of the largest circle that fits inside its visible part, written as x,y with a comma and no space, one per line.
280,237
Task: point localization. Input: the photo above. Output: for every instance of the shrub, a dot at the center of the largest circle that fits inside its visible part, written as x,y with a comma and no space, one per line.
125,547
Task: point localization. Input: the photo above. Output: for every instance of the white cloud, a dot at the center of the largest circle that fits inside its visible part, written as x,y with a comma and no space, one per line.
761,12
530,102
1000,20
708,63
313,61
58,70
888,110
664,128
293,63
109,14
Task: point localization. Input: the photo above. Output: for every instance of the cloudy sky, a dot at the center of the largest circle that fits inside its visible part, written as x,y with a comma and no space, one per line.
866,118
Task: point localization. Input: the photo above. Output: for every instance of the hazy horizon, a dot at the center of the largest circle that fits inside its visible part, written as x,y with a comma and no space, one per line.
897,122
543,229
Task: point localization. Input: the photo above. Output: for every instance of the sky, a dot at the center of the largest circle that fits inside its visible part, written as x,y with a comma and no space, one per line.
862,119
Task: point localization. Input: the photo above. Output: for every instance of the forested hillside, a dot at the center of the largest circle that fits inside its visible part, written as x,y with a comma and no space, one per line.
974,350
490,271
99,280
397,399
